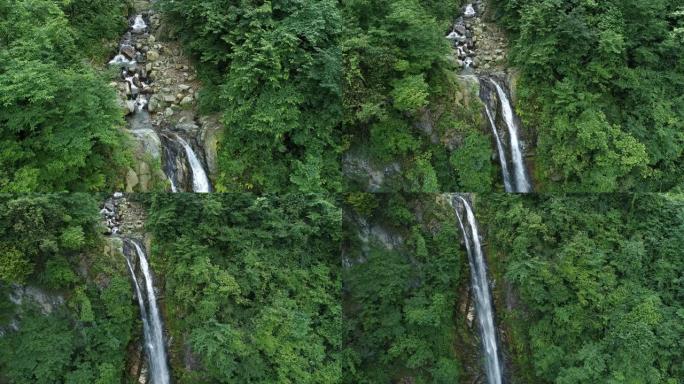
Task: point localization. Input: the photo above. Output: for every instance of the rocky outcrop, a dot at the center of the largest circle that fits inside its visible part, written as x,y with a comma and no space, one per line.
157,92
477,43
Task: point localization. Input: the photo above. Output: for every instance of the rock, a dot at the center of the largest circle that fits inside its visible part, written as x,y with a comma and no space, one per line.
184,87
187,100
211,134
145,176
131,180
461,29
130,106
152,55
128,51
169,98
168,112
149,143
154,103
187,127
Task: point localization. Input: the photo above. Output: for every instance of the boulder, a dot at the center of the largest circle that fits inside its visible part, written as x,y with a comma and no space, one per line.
131,180
149,142
128,51
212,132
152,55
187,100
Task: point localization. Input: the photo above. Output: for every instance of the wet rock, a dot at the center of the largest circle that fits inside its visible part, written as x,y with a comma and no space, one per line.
128,51
130,107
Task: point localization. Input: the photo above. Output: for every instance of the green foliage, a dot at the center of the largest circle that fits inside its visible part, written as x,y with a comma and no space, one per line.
58,119
33,229
85,339
410,94
272,70
398,299
251,285
601,83
473,164
402,102
599,284
95,23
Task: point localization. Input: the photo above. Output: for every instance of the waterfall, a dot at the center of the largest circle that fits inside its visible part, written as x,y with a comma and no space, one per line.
200,181
480,287
152,325
508,186
522,183
135,68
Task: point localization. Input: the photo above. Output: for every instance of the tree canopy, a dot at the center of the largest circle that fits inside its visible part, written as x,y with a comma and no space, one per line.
59,122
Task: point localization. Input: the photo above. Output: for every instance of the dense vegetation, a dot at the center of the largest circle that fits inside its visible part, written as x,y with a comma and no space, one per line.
600,284
59,122
400,286
601,84
51,243
251,286
272,70
403,102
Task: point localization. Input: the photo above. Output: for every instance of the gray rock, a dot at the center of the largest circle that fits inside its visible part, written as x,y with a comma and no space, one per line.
149,142
130,106
128,51
187,100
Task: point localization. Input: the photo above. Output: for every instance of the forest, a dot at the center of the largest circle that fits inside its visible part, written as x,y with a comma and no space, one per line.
324,96
600,83
587,288
312,191
250,287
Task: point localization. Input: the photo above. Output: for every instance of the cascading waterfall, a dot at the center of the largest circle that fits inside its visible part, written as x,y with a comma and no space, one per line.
467,50
152,325
200,181
480,286
518,180
508,186
139,87
522,183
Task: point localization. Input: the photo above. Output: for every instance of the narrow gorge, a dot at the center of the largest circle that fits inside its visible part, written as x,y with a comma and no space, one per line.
158,89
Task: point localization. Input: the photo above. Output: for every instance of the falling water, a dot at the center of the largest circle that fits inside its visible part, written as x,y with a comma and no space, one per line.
480,286
200,181
522,183
152,325
502,154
